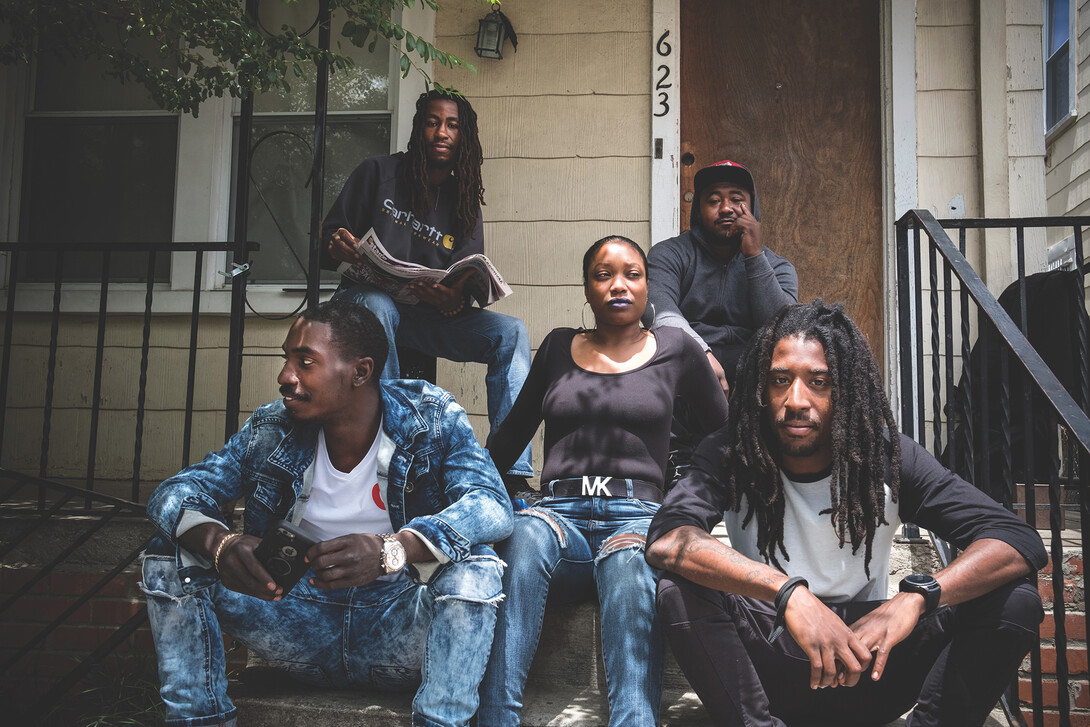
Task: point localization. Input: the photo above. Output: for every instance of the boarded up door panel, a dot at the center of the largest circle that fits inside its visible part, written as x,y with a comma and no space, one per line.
791,90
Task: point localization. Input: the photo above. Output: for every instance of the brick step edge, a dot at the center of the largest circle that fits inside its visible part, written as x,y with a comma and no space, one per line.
1076,659
1052,718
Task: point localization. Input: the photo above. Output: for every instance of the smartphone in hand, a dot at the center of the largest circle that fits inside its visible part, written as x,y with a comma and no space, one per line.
282,553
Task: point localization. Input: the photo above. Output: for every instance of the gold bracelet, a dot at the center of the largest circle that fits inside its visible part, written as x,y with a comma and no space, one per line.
219,549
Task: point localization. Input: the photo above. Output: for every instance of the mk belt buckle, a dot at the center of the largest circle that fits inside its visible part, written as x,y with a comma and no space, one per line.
597,488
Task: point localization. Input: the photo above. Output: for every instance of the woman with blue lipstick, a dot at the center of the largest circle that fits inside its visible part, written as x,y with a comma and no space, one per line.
606,395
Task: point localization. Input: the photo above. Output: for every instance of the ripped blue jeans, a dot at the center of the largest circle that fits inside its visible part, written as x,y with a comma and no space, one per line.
390,636
562,550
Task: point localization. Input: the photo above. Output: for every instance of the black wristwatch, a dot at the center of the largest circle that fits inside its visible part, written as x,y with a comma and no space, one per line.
926,586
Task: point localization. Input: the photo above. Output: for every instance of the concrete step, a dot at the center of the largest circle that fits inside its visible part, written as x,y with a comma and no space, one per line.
100,552
546,706
570,651
566,687
567,682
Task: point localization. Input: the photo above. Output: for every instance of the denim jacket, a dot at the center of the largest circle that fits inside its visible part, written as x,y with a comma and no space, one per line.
441,482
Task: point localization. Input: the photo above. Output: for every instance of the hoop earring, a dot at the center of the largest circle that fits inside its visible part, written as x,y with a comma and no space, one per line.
583,315
654,315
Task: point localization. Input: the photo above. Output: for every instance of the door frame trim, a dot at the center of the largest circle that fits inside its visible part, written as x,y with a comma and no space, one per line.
900,192
665,129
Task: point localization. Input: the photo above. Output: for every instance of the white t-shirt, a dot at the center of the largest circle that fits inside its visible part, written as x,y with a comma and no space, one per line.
346,502
834,575
339,503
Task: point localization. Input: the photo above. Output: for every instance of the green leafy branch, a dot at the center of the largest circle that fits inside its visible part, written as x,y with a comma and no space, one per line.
186,51
373,28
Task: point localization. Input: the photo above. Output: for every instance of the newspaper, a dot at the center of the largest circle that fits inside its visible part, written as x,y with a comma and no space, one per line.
376,267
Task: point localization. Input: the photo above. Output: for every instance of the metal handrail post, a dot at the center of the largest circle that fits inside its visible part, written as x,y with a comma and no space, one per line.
240,259
317,170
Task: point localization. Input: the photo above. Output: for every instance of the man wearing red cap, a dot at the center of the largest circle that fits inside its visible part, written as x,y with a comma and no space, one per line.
718,281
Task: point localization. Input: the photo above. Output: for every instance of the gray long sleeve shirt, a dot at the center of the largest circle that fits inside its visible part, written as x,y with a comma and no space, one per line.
719,304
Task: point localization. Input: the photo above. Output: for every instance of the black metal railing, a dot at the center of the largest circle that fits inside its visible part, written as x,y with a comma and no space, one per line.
1004,406
53,452
15,654
22,314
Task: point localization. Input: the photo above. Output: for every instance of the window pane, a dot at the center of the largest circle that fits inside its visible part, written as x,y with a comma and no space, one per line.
363,87
84,86
99,180
280,191
1057,88
1059,27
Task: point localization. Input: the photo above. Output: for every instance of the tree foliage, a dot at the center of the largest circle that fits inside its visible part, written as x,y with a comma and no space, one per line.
204,48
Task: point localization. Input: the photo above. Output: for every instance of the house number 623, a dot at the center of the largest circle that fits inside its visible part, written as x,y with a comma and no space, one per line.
663,85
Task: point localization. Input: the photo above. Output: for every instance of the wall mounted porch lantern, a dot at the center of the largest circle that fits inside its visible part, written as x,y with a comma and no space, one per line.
492,31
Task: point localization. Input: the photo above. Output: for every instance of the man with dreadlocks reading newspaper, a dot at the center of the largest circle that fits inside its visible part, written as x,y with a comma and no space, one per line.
424,206
812,478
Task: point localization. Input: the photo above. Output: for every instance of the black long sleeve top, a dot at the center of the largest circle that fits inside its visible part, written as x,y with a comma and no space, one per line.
610,425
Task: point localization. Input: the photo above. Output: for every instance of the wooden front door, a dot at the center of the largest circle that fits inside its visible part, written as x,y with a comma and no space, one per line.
791,90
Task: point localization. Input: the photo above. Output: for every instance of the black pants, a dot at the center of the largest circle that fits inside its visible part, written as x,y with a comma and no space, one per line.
954,665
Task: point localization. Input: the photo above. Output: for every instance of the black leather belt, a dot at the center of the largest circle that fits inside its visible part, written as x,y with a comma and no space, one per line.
604,487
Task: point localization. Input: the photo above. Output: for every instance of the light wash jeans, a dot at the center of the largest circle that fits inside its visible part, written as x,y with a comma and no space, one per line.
561,550
475,334
390,636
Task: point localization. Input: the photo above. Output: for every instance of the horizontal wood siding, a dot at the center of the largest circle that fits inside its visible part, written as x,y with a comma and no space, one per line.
948,137
1067,156
565,127
948,109
164,403
944,13
533,254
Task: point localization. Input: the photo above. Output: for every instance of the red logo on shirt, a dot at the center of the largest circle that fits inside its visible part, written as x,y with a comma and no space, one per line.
378,497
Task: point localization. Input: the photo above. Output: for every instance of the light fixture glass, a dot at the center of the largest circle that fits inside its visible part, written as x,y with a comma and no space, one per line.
492,32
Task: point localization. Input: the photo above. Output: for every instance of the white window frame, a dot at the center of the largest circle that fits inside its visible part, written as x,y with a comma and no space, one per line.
1072,69
202,194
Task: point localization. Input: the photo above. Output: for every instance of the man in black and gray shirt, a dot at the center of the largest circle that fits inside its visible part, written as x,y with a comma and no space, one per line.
812,479
717,281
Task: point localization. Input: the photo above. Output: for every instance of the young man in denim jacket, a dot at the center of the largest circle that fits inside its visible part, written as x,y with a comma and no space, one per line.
402,588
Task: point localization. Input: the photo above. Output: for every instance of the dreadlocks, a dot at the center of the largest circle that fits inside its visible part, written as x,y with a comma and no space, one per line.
860,413
467,163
